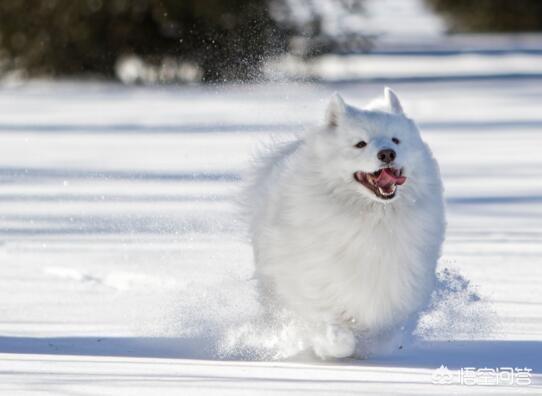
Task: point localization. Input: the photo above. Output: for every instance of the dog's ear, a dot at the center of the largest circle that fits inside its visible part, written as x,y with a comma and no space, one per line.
392,101
335,111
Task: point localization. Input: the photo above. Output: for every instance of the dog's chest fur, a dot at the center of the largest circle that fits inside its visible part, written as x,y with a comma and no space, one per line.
367,264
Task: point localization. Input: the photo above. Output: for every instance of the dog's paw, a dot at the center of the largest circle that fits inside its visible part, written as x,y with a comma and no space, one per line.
335,342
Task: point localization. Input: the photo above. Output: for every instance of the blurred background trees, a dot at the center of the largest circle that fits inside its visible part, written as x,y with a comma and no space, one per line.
73,37
490,15
223,39
209,40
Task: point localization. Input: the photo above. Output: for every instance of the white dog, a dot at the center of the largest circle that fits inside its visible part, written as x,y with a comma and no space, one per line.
347,224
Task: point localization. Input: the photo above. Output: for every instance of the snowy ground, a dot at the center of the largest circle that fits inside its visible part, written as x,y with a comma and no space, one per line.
122,259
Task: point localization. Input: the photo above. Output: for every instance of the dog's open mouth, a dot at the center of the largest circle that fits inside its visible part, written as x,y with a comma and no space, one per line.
383,183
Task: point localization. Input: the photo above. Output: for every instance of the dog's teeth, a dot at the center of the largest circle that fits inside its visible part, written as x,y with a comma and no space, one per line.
386,193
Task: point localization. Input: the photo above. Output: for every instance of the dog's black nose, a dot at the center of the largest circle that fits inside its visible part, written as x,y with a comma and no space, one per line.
386,155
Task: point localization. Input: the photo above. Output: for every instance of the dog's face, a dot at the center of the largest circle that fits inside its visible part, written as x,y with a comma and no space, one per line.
375,152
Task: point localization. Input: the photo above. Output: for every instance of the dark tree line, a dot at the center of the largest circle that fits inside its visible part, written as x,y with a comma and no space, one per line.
227,39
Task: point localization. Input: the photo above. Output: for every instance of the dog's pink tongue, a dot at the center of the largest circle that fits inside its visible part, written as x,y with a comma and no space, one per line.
387,178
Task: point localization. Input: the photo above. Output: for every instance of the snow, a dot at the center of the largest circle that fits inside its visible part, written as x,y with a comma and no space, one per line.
382,18
123,261
400,18
388,65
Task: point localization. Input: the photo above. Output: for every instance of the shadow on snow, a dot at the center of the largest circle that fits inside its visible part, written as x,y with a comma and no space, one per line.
453,354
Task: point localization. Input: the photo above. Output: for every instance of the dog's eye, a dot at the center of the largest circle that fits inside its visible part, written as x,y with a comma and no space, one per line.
395,140
360,144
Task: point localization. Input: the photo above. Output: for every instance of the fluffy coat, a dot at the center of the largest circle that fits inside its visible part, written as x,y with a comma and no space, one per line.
350,262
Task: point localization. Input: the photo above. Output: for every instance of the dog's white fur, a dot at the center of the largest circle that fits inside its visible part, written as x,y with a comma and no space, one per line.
326,247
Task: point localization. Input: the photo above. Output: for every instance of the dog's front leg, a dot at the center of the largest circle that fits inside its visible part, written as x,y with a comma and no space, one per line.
334,340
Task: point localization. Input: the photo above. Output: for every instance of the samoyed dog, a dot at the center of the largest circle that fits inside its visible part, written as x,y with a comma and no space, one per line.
347,223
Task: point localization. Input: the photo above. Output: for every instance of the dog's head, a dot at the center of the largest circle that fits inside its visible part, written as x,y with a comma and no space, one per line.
376,152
